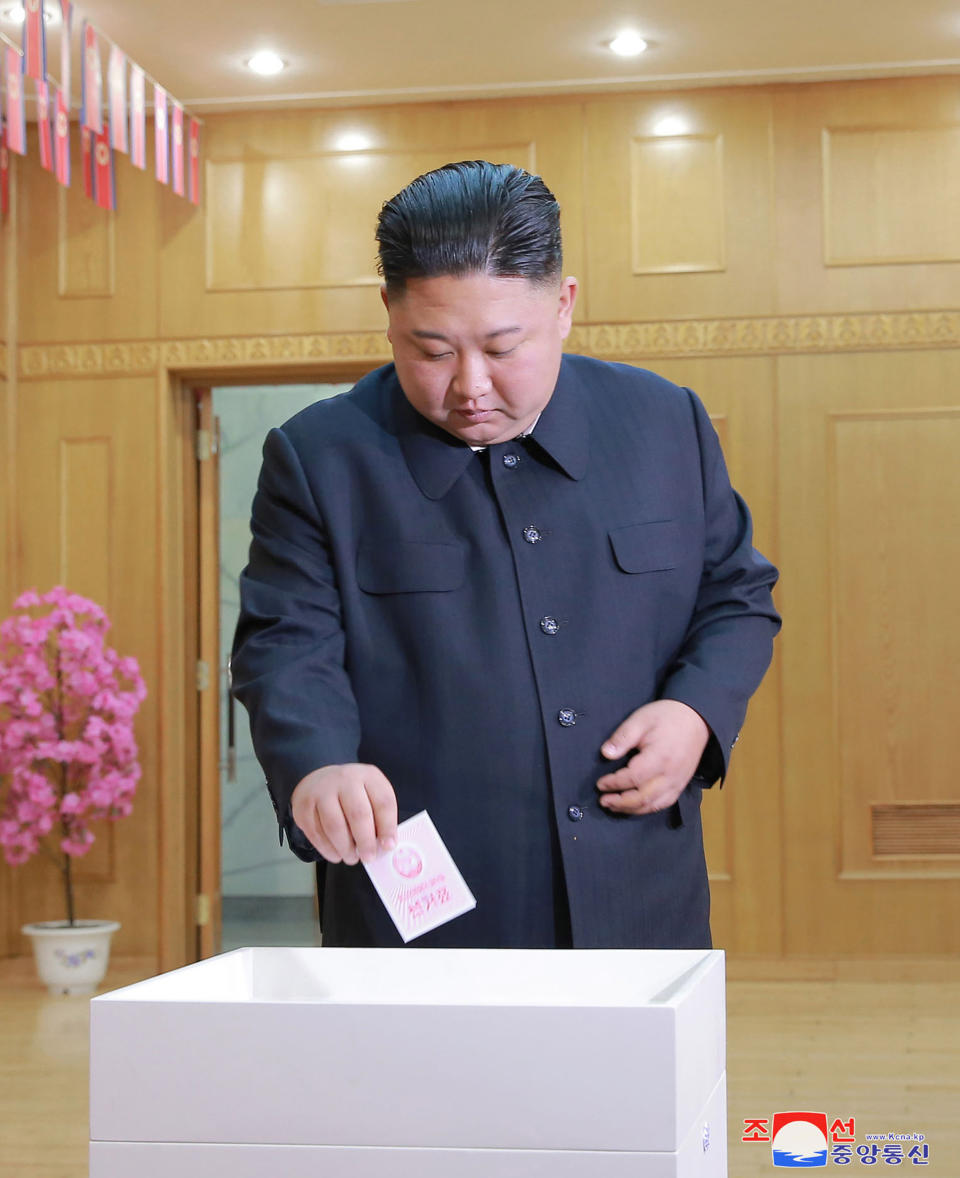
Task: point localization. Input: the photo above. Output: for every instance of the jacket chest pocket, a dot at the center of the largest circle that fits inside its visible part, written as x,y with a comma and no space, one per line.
410,566
649,547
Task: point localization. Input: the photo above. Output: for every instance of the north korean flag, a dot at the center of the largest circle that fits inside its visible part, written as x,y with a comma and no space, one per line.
61,139
34,40
161,134
44,132
91,81
193,175
138,118
16,118
103,178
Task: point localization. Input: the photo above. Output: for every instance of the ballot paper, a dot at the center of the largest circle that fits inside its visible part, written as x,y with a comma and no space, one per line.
418,881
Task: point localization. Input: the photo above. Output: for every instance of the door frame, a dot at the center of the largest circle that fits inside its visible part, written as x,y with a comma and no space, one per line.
188,864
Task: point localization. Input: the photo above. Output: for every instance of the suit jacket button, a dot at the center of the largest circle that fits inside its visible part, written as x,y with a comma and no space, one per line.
549,625
532,535
567,717
511,460
574,813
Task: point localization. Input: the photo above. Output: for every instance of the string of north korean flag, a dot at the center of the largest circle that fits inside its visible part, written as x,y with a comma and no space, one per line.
176,134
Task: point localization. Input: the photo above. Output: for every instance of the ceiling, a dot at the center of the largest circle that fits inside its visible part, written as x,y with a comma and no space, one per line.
348,52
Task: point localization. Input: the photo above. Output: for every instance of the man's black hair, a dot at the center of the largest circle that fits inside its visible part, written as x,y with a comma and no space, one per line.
470,218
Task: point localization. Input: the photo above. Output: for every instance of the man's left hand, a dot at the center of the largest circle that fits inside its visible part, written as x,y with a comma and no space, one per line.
669,738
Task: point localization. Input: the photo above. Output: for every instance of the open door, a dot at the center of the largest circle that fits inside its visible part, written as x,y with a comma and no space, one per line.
249,889
209,678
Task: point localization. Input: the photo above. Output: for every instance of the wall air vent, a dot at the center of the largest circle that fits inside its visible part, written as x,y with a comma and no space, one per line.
914,828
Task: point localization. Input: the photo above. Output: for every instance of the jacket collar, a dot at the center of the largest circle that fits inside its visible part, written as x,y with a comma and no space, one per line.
437,459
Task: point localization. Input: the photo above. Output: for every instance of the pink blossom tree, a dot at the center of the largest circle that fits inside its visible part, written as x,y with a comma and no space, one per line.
68,755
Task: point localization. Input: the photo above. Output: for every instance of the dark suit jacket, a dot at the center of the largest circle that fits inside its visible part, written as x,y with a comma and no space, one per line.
477,624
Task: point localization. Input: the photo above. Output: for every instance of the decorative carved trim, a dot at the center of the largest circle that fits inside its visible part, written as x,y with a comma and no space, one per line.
272,350
773,336
109,359
780,335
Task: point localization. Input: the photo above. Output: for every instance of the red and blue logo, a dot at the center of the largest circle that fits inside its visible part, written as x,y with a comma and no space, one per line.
799,1140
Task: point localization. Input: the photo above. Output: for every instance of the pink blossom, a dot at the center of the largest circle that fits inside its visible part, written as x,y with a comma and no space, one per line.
129,667
29,703
27,811
62,750
75,642
101,794
40,791
16,734
95,729
77,844
86,753
82,682
67,703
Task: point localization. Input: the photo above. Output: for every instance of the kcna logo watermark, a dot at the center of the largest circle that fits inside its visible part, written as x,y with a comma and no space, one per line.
803,1141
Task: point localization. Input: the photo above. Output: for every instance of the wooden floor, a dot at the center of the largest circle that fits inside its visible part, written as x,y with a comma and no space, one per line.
885,1053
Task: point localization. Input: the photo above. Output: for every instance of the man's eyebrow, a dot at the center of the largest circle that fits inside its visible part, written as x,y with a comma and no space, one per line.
443,339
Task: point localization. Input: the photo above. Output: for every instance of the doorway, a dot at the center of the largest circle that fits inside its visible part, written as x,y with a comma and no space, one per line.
252,890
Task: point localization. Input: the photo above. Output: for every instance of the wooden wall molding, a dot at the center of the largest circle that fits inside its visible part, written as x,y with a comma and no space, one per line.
768,336
773,335
244,352
40,361
3,361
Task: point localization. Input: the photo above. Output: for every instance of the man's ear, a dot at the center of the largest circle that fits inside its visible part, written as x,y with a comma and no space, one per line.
568,297
386,302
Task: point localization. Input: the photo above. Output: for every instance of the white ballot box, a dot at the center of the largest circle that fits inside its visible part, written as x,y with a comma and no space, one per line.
423,1063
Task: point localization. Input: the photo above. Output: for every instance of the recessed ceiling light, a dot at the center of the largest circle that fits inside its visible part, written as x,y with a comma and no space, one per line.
353,141
628,44
266,62
671,125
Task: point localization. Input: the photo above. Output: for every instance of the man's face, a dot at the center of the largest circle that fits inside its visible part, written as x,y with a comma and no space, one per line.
477,355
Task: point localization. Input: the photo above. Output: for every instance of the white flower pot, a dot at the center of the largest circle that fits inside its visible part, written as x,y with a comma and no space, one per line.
71,959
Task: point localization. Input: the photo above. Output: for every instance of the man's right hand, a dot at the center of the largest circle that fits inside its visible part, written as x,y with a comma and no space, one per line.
348,812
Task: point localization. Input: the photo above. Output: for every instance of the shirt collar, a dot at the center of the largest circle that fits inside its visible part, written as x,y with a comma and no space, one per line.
437,459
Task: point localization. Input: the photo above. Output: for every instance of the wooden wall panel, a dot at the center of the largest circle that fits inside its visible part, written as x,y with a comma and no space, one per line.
870,562
86,274
86,248
677,214
86,518
890,195
86,530
742,821
295,223
876,209
692,205
402,141
894,556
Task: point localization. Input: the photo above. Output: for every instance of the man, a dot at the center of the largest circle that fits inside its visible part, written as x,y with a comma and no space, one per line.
506,586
